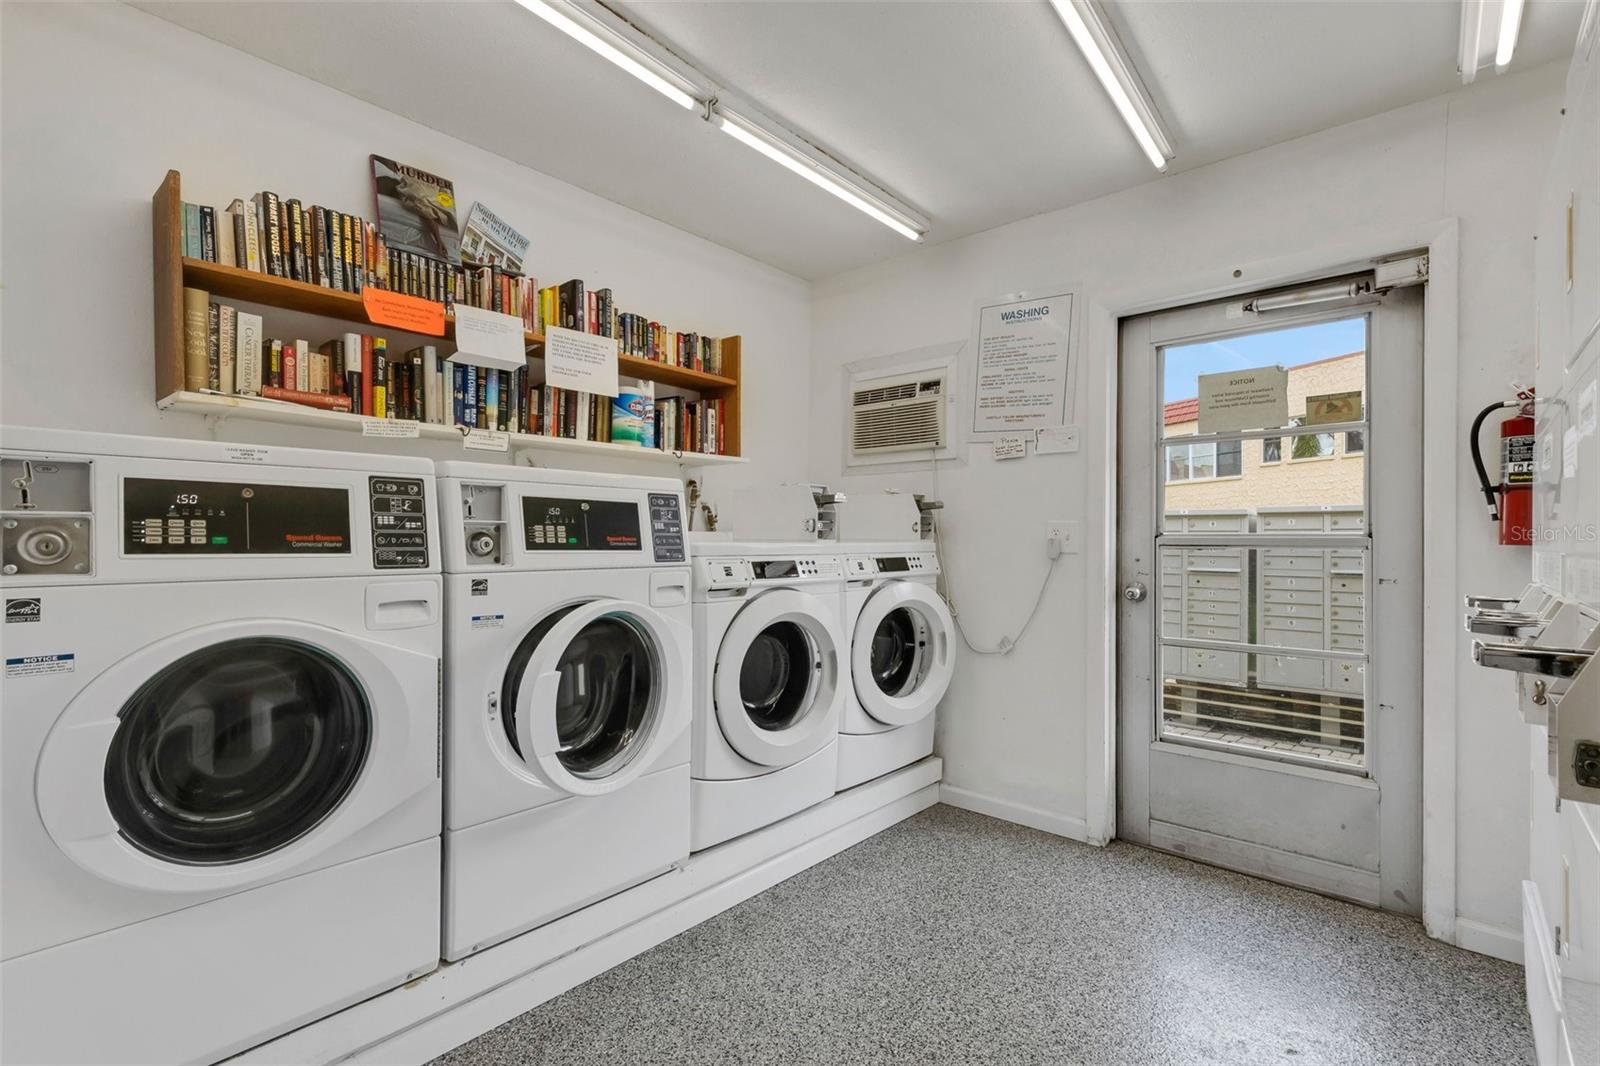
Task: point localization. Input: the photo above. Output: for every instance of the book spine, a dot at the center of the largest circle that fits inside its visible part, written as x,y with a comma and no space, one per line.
226,254
252,237
433,407
227,319
480,415
193,235
335,257
352,370
347,248
213,326
247,354
365,404
196,338
380,378
297,241
271,212
302,366
458,396
469,400
290,379
358,244
308,399
275,365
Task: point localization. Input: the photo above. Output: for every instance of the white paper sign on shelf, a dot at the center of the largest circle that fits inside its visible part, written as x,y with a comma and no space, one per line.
489,338
391,428
1010,447
1023,352
582,361
486,440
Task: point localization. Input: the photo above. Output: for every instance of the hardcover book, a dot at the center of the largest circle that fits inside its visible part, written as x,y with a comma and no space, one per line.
416,210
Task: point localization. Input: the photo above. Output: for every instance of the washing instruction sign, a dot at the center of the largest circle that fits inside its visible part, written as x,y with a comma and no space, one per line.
40,665
1244,399
1023,357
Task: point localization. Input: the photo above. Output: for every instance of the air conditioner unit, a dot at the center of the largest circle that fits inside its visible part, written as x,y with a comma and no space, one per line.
898,414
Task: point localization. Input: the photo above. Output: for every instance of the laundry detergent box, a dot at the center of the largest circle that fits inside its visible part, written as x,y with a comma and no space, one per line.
633,413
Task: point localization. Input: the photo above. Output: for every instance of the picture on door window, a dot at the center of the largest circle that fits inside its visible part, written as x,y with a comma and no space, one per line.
1325,365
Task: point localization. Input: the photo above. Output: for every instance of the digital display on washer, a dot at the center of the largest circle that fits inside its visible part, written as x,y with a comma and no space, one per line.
893,565
563,524
163,516
771,568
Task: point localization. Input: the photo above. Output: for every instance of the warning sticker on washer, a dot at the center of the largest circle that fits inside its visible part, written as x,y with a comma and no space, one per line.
488,621
38,665
242,453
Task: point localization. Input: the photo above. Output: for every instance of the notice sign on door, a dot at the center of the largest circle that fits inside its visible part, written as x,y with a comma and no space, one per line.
1024,347
1244,399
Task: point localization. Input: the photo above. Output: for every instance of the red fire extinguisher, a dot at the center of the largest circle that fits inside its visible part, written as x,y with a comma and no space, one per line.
1510,502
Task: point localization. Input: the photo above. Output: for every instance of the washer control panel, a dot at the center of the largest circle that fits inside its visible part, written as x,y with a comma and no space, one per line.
666,527
399,509
171,516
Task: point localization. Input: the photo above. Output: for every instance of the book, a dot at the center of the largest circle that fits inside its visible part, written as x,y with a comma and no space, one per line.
247,354
416,210
267,207
226,253
196,338
489,240
309,399
380,378
213,373
351,379
225,348
302,366
192,246
297,241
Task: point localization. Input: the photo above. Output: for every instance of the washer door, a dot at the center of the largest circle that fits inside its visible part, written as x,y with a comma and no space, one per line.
900,655
226,755
585,692
777,678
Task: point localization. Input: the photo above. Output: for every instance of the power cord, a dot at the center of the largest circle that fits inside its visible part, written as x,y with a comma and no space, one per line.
1006,644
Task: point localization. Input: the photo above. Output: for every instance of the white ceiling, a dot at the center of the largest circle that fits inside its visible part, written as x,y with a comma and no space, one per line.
976,113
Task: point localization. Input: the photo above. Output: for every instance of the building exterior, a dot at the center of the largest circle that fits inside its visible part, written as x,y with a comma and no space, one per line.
1306,468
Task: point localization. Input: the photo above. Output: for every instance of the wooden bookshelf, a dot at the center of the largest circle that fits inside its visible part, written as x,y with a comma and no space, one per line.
173,272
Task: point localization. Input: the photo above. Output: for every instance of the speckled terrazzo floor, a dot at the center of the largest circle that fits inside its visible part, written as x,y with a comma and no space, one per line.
955,938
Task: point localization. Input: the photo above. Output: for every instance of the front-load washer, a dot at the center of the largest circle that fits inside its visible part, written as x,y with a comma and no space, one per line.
901,656
221,781
768,661
567,687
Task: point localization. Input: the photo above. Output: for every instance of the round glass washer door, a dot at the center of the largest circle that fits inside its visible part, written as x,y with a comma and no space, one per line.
584,693
900,655
776,685
235,750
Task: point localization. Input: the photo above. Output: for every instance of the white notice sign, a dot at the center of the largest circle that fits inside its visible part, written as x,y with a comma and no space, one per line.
1244,399
582,361
489,338
1010,447
1023,352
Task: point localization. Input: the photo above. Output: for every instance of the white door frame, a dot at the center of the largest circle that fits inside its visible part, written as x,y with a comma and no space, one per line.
1439,419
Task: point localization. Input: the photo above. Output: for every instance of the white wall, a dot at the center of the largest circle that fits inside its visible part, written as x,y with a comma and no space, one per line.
1013,729
100,100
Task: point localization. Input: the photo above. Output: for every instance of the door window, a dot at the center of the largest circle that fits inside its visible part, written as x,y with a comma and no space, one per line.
898,644
775,679
606,699
236,750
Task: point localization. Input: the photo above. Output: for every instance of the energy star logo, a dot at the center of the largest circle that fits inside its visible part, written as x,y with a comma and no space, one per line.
24,610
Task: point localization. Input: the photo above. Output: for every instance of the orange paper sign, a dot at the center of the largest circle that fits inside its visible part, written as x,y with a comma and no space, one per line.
410,313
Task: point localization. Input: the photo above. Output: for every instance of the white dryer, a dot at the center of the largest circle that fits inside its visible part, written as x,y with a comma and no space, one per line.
768,692
900,654
567,686
221,786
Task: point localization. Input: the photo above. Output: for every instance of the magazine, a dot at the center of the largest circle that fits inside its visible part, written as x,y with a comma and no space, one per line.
489,240
416,210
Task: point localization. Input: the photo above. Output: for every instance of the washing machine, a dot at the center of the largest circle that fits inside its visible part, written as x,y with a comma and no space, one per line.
567,688
901,656
769,661
221,782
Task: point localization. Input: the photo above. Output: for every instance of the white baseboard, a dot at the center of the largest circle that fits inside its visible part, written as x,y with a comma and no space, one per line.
1062,825
459,1001
1486,939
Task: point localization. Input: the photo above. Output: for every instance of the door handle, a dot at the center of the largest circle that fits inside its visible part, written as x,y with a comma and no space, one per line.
1135,592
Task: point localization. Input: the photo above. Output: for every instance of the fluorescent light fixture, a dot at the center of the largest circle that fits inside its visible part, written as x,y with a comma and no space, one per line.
790,156
1115,70
1485,25
593,35
1510,26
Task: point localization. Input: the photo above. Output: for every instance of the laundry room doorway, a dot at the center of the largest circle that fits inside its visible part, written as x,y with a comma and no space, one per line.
1270,564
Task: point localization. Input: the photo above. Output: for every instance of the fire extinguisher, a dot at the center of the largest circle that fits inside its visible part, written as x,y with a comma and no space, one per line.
1510,502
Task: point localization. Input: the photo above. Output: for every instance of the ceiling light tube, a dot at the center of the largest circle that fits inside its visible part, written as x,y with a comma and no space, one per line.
589,32
1510,26
786,155
1111,65
1471,40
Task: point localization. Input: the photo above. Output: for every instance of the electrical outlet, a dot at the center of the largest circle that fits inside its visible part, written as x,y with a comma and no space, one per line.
1068,533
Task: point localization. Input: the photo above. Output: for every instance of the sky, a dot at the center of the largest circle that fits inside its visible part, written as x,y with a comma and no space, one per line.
1281,347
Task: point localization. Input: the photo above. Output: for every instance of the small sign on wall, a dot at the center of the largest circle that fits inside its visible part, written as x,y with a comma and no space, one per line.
1333,407
1244,399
